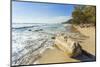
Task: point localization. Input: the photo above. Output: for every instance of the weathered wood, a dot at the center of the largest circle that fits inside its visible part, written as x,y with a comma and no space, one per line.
68,45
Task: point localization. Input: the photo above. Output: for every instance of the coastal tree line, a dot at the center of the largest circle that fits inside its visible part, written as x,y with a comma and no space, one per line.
83,14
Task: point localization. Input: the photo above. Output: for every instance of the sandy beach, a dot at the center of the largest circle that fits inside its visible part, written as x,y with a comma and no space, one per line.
89,43
60,33
55,55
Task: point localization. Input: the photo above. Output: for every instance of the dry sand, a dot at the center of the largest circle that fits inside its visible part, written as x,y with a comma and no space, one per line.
89,43
57,56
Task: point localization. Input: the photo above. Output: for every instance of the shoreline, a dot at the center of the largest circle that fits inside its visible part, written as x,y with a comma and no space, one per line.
57,56
62,48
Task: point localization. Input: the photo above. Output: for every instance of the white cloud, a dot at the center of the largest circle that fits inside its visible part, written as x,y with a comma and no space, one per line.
58,19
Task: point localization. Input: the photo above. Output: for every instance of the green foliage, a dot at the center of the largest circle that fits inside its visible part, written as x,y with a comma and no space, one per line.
84,15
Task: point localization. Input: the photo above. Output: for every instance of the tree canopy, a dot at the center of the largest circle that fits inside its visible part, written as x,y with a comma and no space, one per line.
83,14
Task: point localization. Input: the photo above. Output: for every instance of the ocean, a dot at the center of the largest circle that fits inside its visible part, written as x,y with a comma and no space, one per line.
32,39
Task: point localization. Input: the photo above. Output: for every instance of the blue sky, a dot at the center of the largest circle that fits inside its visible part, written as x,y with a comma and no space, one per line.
29,12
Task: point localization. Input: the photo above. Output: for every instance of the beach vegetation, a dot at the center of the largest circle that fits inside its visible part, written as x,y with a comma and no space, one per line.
83,15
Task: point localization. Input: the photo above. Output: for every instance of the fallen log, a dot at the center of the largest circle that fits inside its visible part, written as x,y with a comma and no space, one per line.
68,45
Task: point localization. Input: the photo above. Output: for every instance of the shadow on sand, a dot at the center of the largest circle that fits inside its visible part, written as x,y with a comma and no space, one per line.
85,57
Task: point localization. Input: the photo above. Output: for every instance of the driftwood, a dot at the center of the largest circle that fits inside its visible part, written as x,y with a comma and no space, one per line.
68,45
